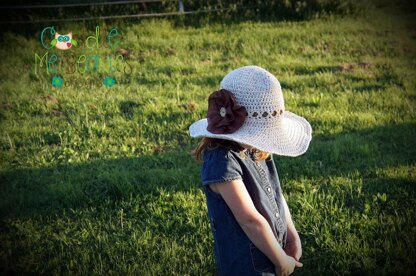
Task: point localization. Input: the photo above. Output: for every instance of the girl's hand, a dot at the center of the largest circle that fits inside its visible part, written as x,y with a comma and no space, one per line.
293,246
287,266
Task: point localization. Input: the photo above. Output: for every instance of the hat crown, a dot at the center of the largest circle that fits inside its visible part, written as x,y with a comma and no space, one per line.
267,127
257,90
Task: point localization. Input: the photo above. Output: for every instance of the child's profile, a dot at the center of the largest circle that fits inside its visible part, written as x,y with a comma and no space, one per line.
250,220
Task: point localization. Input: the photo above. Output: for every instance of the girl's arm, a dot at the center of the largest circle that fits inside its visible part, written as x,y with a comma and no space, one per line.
290,226
293,246
253,223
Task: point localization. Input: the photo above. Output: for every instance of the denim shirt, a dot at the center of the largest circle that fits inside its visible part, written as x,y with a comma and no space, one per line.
235,254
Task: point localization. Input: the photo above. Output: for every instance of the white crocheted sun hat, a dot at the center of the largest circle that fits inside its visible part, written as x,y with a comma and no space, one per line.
267,126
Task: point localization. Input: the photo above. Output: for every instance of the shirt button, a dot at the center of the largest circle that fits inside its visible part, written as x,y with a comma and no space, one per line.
268,189
277,215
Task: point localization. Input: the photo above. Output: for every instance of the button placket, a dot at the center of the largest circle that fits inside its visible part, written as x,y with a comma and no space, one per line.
269,191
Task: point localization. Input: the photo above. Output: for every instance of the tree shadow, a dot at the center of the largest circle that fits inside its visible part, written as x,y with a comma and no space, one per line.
370,87
207,81
28,192
315,70
106,186
354,151
362,181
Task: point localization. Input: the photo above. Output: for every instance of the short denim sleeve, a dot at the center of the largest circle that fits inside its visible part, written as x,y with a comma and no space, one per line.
219,166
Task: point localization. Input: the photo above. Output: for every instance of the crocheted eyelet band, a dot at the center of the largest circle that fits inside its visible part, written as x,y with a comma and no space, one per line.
249,109
265,114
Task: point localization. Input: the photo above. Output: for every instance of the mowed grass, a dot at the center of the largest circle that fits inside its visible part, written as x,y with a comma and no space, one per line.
99,180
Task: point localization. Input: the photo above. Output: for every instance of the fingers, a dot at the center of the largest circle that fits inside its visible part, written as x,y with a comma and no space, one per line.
298,264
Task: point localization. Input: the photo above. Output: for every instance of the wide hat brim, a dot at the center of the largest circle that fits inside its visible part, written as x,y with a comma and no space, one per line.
288,136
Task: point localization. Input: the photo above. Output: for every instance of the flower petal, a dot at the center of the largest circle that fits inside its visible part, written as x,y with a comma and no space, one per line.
234,116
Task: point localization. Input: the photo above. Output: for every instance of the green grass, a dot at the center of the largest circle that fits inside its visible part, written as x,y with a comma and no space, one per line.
98,180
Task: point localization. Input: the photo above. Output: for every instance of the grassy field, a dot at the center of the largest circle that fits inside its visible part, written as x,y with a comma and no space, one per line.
99,180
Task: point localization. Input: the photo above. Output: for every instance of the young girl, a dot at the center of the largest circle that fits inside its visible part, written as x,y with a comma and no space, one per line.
249,217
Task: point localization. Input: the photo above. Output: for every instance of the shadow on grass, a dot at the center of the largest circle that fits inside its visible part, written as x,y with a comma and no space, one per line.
81,192
356,151
50,190
315,70
27,192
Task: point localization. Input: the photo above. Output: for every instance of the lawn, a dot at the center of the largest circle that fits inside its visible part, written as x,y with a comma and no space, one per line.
99,180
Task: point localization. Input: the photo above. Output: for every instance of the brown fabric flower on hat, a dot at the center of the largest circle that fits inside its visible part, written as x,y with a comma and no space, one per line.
224,115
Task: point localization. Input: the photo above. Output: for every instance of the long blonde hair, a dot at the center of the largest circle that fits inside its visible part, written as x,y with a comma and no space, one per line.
212,143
